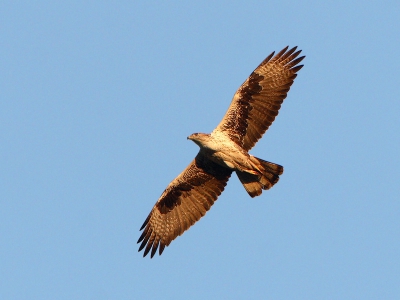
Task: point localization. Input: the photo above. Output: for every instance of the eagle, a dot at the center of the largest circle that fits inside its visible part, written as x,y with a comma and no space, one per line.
225,150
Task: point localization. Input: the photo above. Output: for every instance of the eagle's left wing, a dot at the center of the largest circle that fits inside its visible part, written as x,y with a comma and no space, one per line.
186,199
258,100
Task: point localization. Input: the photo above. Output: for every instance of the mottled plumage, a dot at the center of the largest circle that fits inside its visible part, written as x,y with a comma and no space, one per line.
257,102
252,110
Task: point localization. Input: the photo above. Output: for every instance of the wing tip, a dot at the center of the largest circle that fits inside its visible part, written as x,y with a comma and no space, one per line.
295,69
152,247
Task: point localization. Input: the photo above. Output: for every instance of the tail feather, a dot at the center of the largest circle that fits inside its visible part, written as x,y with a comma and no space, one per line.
268,176
269,166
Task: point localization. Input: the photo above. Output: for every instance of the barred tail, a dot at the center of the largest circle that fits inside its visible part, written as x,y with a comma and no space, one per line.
268,175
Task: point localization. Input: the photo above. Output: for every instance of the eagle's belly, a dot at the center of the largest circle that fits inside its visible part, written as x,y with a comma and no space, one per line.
223,151
231,158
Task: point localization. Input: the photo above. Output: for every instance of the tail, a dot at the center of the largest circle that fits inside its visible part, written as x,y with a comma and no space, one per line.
267,177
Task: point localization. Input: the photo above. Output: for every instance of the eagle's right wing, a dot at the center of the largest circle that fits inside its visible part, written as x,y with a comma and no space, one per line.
186,199
257,101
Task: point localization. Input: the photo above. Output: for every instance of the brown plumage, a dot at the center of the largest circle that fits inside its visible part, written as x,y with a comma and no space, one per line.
257,102
252,110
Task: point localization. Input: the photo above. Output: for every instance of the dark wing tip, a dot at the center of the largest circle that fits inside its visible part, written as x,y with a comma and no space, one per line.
267,59
296,68
141,237
161,249
283,50
145,222
285,56
297,60
146,251
142,245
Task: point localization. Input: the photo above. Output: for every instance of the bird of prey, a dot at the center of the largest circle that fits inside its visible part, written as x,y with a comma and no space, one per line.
253,108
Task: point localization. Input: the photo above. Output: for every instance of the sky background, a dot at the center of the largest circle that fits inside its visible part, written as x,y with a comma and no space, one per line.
97,99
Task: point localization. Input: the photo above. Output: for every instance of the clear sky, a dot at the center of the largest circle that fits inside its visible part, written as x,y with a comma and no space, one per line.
97,99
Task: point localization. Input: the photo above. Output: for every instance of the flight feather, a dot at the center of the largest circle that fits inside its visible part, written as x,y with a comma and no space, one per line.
257,101
253,109
186,199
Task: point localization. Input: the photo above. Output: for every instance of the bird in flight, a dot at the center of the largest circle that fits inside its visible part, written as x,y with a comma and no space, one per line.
225,150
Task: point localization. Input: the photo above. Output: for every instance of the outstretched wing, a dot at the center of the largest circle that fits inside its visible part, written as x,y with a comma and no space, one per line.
257,102
186,199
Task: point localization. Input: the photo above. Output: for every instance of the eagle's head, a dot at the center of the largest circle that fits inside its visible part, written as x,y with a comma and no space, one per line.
199,138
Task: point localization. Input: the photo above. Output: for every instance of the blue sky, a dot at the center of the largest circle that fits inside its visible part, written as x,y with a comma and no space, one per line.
97,99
